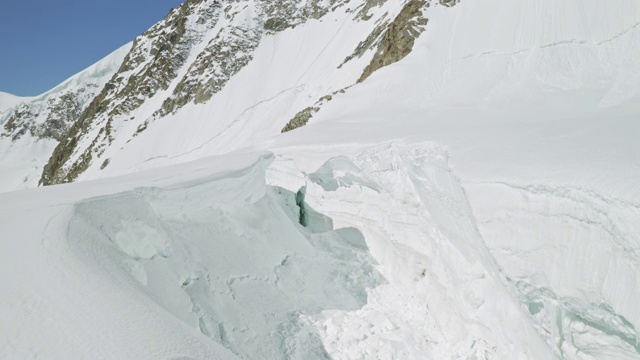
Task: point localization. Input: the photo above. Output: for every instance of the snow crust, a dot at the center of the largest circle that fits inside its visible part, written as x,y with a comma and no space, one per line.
476,200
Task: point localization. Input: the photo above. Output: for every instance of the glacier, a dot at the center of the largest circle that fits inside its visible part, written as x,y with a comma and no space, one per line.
476,200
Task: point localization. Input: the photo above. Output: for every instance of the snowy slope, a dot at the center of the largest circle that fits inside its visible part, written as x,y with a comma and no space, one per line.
477,199
581,66
183,60
33,126
7,101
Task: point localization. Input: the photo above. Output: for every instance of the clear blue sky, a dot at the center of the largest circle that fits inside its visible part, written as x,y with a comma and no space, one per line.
43,42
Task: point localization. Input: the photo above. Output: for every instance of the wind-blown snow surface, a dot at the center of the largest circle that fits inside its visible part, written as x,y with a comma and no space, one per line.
477,200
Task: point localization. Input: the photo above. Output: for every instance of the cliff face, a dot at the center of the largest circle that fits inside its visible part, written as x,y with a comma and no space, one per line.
200,46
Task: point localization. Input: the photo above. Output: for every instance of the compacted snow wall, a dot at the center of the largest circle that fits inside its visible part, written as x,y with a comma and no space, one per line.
230,258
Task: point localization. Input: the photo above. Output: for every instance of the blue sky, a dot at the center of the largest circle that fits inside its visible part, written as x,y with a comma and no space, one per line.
43,42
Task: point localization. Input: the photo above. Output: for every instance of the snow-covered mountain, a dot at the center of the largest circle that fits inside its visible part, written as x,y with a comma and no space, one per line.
379,179
199,61
31,127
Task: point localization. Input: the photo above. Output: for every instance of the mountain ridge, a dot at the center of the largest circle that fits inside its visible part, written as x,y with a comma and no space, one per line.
31,127
242,26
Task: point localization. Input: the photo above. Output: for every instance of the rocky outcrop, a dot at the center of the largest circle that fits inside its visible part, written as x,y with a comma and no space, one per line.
302,117
285,14
449,3
391,40
369,43
398,38
232,48
17,124
364,12
228,52
192,54
151,65
64,111
49,116
63,151
186,58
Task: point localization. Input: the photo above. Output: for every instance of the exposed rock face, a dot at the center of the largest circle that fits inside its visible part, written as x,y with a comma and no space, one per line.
399,37
302,118
449,3
364,13
157,56
284,14
49,117
232,48
391,40
151,65
186,58
192,54
18,122
64,111
228,52
31,127
369,43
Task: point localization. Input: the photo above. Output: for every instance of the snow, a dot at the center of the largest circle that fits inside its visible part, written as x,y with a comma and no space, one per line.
476,200
8,101
22,160
295,69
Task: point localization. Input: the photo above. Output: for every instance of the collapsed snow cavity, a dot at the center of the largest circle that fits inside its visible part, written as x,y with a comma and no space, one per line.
230,258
